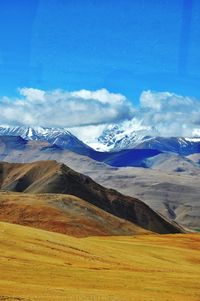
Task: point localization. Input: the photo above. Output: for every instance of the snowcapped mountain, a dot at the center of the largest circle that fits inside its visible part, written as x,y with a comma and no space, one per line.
178,145
56,136
131,135
114,138
125,135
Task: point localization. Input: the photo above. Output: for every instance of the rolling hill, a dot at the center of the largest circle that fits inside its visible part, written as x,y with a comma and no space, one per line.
171,162
51,177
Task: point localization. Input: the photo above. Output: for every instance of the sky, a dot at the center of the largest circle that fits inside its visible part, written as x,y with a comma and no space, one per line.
88,63
124,46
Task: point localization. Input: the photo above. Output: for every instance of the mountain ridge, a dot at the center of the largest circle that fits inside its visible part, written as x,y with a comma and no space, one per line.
113,139
132,157
51,177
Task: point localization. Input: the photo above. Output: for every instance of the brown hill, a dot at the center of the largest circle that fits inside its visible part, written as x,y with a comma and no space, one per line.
51,177
65,214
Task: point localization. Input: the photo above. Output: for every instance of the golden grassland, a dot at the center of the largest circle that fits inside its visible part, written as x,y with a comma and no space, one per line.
41,265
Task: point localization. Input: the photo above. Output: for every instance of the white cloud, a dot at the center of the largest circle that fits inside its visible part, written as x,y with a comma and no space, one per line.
32,94
159,113
59,108
152,101
87,113
102,96
171,114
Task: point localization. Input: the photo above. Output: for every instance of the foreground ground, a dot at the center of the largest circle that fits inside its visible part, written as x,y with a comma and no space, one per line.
41,265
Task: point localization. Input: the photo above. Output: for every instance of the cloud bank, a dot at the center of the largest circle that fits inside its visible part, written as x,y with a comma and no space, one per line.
64,109
170,114
88,113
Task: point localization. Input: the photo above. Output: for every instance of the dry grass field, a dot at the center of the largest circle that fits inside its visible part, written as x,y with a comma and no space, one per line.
41,265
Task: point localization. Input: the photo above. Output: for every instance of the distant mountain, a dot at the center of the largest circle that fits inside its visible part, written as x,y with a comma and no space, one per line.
125,146
60,137
51,177
178,145
129,157
17,149
116,138
123,136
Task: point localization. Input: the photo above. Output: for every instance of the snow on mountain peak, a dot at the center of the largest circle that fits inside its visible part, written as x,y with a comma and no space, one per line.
113,137
125,135
59,136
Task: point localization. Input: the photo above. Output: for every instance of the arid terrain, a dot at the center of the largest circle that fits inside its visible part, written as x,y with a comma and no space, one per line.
50,177
65,237
174,195
65,214
38,265
100,150
170,186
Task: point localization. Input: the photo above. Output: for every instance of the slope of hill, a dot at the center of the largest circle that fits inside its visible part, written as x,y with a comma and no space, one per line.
173,194
171,162
65,214
195,158
51,177
38,265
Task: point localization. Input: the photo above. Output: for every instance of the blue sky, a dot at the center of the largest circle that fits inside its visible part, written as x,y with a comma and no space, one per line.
125,46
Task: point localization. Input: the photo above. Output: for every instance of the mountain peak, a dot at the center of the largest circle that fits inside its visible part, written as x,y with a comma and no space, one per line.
58,136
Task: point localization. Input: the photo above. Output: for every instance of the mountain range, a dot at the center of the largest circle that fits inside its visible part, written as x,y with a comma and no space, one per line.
114,138
63,140
166,180
170,184
58,137
118,137
17,149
